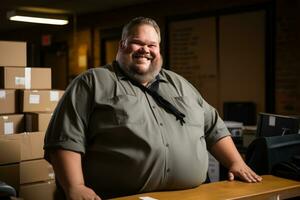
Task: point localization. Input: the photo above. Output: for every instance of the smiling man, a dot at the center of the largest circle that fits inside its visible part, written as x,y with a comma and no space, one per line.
139,52
132,127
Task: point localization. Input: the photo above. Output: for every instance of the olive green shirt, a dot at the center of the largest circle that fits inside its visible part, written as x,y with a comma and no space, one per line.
129,144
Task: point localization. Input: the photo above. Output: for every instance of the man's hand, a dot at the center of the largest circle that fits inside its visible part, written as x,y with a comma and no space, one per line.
243,172
225,152
81,192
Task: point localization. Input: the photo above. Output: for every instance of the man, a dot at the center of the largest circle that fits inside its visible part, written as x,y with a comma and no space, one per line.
134,127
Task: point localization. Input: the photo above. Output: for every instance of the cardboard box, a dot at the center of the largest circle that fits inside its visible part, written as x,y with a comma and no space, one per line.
26,172
37,121
40,100
38,191
10,124
13,53
8,101
10,174
31,144
10,151
35,171
25,78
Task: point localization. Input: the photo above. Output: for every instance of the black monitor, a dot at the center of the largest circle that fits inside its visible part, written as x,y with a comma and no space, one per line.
265,152
244,112
275,125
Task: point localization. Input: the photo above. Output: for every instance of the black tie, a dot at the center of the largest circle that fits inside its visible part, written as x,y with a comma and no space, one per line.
152,90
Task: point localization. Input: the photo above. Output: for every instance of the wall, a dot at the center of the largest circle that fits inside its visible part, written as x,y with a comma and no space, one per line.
288,57
286,44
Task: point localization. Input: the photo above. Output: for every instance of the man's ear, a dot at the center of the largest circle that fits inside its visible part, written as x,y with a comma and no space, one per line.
122,44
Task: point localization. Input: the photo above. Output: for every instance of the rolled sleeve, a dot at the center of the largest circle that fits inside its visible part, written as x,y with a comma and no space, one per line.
68,125
215,128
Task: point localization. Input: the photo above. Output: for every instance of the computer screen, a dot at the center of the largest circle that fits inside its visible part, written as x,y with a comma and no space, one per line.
276,125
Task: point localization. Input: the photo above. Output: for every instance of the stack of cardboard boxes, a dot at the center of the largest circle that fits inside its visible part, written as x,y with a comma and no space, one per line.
26,106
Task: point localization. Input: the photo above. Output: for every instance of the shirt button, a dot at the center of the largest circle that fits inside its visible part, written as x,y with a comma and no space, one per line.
161,124
153,107
167,145
168,170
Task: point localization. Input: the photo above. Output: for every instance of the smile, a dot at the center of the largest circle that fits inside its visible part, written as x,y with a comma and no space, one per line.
140,56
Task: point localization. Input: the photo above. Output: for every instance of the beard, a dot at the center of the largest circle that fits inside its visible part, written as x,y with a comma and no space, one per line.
135,73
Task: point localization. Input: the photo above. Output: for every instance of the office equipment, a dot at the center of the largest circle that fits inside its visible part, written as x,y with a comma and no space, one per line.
265,152
274,125
6,191
288,169
270,188
244,112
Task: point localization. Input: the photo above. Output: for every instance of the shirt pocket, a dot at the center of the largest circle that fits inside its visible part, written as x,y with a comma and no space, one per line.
194,114
128,109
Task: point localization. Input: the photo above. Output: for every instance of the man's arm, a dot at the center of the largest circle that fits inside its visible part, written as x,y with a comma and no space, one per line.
225,151
68,171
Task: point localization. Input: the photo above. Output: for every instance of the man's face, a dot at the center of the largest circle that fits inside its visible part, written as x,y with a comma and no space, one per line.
139,54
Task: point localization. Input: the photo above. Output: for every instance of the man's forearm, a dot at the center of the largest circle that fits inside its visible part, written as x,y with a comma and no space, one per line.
225,151
67,167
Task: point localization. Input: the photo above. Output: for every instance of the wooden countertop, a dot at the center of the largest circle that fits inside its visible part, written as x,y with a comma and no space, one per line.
271,187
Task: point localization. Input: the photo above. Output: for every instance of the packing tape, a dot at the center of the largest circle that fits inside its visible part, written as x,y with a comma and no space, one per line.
27,78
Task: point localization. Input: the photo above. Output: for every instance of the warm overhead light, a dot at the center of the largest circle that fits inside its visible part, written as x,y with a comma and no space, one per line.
40,18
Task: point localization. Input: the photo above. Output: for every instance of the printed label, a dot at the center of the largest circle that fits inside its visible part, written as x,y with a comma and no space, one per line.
34,99
2,94
54,96
19,80
272,121
8,128
51,175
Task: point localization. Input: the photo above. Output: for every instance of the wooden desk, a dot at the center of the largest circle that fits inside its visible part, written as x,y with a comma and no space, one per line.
271,188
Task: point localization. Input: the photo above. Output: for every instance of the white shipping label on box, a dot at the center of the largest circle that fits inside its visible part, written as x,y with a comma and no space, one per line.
2,94
19,80
34,99
54,95
8,128
51,175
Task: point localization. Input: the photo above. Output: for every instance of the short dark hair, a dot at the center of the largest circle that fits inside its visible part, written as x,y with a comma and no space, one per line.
140,21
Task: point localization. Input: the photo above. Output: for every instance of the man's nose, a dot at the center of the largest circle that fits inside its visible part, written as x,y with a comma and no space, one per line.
144,49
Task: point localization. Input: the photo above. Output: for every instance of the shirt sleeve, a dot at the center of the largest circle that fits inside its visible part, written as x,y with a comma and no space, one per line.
69,122
214,127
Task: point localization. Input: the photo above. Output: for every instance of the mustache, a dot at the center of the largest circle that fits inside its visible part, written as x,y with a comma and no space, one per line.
140,55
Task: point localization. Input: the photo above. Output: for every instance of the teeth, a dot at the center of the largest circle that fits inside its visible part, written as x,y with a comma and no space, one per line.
142,56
